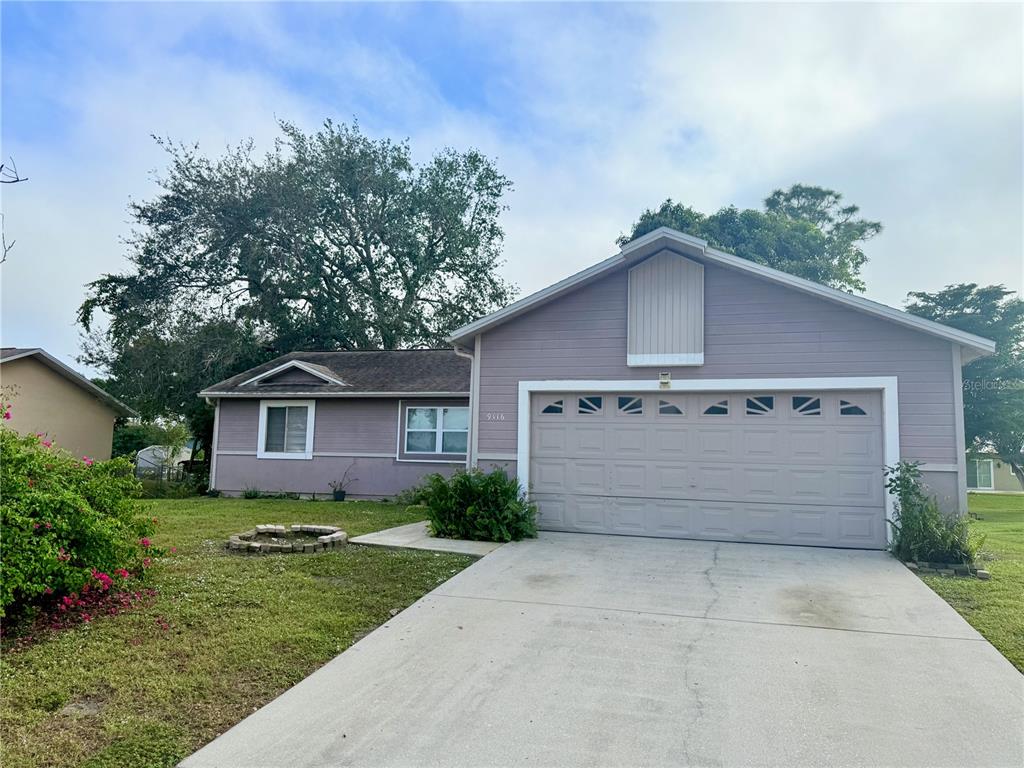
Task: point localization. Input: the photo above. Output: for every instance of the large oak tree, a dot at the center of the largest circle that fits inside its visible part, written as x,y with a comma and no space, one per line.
804,230
332,240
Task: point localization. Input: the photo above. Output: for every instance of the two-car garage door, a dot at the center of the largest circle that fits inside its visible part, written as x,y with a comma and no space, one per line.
777,467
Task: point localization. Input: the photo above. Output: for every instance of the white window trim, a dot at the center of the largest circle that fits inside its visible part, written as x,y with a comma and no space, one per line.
887,385
310,422
439,430
991,475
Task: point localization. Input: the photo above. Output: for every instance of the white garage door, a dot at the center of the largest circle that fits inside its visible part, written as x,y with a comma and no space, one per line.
776,467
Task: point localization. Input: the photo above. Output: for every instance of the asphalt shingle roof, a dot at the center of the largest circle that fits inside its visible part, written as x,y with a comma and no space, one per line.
409,371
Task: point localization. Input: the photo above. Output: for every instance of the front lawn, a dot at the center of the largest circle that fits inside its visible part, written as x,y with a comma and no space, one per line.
225,635
995,608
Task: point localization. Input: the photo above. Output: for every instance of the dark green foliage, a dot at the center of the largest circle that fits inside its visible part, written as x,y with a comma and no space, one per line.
994,384
130,438
333,240
479,506
61,517
804,230
921,531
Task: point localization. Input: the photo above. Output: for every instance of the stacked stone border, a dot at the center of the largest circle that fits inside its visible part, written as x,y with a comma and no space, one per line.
328,537
949,569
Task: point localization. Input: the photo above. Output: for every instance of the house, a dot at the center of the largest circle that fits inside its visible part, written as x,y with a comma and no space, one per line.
49,397
302,421
991,473
672,390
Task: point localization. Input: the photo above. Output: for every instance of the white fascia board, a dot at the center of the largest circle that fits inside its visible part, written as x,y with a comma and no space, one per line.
982,345
322,395
294,364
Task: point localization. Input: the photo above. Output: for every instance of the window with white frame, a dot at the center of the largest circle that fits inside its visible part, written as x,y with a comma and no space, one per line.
286,429
436,430
979,474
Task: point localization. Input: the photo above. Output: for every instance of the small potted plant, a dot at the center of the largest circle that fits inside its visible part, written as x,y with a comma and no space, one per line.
339,486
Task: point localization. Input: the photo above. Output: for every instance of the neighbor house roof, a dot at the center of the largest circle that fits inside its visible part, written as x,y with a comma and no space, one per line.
8,354
665,237
353,374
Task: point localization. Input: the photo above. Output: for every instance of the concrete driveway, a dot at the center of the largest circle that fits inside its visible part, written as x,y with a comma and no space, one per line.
576,650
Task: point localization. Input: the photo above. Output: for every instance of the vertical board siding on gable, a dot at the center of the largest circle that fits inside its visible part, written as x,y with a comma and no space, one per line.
752,329
294,376
666,307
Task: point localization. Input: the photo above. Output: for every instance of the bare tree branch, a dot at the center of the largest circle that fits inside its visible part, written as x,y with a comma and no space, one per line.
9,173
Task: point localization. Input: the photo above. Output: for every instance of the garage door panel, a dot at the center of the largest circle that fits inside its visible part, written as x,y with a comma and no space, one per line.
716,442
587,513
629,478
715,521
765,444
549,475
550,440
788,468
628,440
587,477
589,440
666,440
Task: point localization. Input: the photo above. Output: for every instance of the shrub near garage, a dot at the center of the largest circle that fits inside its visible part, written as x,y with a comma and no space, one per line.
479,506
66,523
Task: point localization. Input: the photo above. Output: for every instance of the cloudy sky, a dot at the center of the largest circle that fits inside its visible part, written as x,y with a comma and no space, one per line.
913,112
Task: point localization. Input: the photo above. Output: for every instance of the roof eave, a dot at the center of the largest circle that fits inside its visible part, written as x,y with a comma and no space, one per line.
665,236
272,395
76,378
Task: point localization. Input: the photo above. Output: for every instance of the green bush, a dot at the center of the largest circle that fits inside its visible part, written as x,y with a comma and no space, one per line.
61,518
921,531
478,505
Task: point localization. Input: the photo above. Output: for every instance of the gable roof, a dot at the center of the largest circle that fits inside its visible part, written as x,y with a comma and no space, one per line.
8,354
378,373
688,245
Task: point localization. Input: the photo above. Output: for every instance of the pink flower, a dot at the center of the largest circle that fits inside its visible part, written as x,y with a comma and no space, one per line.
174,550
88,462
47,443
144,542
49,525
122,573
86,617
146,562
7,415
48,591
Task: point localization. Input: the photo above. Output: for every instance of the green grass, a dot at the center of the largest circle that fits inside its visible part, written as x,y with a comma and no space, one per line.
996,607
123,691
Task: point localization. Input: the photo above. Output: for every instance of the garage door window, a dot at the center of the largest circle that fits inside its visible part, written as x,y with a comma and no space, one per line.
718,408
630,405
666,408
804,405
846,408
552,408
589,405
762,405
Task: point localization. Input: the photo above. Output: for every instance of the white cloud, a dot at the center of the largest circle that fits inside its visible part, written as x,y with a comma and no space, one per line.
595,112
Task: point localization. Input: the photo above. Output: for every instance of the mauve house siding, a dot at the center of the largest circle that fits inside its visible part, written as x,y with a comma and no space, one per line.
753,329
366,428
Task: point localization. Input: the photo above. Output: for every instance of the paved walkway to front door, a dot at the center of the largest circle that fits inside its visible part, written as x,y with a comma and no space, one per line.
576,650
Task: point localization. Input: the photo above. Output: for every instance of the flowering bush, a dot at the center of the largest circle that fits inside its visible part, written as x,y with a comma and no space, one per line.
67,524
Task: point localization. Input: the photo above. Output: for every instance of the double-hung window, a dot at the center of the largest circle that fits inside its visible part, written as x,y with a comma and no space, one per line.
436,430
286,429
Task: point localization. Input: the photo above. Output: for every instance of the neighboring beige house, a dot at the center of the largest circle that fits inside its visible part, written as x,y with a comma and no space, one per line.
990,473
49,397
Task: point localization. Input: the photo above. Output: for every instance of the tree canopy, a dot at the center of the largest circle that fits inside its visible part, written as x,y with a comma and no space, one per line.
332,240
804,230
993,385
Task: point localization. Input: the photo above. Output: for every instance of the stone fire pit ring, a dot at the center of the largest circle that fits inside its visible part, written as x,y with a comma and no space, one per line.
294,539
